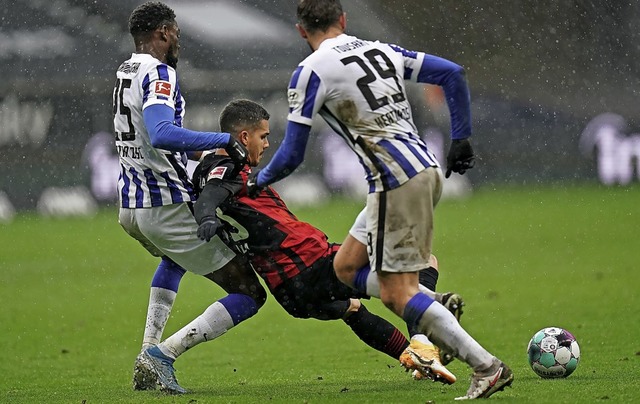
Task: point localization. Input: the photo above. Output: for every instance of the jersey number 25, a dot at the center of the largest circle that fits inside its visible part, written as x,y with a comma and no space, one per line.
129,132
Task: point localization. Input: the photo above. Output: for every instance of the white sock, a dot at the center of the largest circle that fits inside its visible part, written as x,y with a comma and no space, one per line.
214,322
373,285
160,304
422,338
443,328
427,291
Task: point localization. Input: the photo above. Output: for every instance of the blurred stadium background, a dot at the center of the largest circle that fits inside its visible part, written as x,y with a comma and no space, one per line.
554,89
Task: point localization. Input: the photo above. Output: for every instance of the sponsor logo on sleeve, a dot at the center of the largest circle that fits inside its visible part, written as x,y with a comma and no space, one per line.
217,172
295,98
162,88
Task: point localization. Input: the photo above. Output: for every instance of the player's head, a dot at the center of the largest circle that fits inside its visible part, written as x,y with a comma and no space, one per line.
156,22
248,122
319,16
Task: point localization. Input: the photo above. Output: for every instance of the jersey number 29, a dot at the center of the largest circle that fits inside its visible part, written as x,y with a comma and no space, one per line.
384,72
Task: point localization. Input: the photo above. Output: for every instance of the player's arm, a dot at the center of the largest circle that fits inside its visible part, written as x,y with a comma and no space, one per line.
218,188
425,68
452,78
205,207
289,155
306,93
158,118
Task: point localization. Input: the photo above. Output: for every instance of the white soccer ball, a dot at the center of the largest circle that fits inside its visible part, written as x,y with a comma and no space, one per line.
553,352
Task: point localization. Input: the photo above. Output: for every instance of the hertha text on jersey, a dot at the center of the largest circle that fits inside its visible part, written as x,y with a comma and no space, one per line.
392,117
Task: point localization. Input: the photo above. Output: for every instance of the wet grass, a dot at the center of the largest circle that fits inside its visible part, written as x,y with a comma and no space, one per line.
74,294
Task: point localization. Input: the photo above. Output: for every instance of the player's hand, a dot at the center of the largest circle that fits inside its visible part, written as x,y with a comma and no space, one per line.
237,151
208,228
225,232
253,190
460,157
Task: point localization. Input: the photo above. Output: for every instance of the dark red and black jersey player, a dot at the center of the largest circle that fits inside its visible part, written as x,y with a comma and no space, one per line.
293,257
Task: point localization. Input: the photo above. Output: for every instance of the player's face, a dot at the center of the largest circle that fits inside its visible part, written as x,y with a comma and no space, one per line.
257,142
174,45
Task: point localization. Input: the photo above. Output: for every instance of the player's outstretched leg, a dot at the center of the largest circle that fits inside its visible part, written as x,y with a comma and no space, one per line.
158,367
484,384
375,331
490,374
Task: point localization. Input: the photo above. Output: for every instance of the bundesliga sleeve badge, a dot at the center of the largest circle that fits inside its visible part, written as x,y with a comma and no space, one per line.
162,88
217,172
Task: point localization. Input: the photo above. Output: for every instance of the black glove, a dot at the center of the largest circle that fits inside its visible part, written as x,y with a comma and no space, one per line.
208,228
460,157
237,151
253,190
225,232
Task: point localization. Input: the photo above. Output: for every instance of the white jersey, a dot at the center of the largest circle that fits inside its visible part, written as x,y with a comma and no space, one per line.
358,87
149,176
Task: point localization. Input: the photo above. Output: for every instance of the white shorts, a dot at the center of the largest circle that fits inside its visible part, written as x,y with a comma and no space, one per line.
399,224
172,231
359,228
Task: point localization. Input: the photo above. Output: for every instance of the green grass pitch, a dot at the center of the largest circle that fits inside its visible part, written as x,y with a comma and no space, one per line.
73,295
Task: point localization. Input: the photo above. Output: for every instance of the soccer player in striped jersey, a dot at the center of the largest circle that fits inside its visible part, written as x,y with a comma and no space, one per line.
358,87
156,197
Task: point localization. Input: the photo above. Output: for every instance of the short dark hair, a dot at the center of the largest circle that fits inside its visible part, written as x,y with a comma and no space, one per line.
149,16
318,15
240,114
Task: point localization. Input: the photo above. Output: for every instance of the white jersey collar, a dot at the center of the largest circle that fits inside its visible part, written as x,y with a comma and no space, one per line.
331,42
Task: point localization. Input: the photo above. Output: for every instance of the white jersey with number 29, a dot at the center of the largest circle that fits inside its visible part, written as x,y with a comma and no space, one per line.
358,87
149,176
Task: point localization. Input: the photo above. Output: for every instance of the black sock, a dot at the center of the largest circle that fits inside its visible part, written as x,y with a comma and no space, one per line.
377,332
428,278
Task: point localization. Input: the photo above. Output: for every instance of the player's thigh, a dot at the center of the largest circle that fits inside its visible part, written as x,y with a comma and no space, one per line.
238,277
127,219
400,223
315,293
352,254
173,230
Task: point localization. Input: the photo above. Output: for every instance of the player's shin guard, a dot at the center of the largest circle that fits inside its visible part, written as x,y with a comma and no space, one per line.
377,332
215,321
444,330
164,287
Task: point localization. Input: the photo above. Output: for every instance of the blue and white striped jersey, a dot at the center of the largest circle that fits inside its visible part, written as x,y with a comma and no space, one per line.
358,87
149,176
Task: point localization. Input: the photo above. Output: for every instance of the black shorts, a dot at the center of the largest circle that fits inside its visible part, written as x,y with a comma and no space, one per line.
316,293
